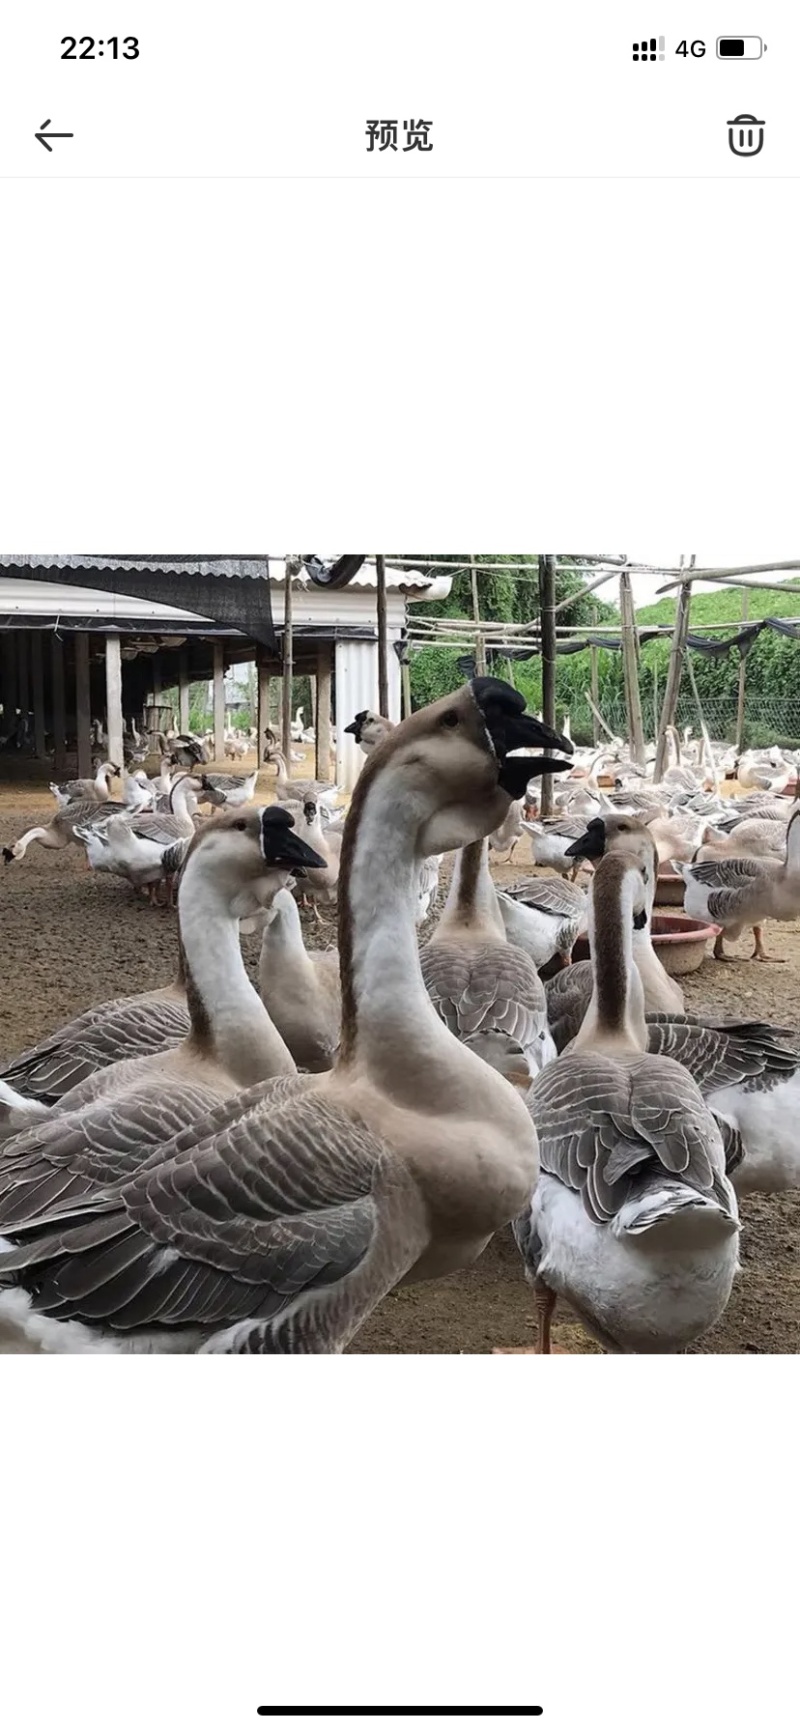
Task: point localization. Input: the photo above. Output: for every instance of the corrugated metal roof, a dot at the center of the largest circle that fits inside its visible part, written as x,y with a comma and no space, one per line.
181,565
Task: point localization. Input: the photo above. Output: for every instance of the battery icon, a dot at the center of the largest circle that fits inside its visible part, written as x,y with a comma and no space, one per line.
739,47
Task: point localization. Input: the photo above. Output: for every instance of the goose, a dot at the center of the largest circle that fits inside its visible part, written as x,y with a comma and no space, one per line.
504,839
287,788
369,729
227,789
618,833
96,787
545,917
278,1223
753,838
138,791
485,988
121,1028
296,728
428,888
634,1220
300,988
768,811
320,886
109,1122
734,893
62,827
550,842
115,847
234,747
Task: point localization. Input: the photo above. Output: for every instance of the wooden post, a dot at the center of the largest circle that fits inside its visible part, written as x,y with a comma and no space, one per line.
183,691
405,676
322,749
547,601
598,716
219,702
262,710
59,712
9,682
702,720
23,672
480,648
83,704
383,647
630,659
595,681
37,685
156,678
288,663
674,671
742,663
114,722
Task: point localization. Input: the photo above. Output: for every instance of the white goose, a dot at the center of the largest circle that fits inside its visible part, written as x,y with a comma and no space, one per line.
634,1219
278,1223
545,917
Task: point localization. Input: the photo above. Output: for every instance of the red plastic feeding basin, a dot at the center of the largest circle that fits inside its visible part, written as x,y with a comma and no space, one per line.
679,942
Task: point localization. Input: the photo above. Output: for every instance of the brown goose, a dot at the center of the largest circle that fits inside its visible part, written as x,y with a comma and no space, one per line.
486,989
279,1223
634,1219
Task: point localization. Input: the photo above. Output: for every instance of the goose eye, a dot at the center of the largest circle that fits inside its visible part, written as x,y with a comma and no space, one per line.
450,718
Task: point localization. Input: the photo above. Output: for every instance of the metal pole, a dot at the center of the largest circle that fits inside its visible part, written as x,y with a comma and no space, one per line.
547,601
742,665
383,663
480,648
114,722
286,711
323,736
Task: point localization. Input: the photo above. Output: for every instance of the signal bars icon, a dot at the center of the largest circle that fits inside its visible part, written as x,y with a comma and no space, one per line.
651,48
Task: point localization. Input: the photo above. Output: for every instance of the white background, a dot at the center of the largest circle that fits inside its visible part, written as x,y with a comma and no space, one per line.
595,365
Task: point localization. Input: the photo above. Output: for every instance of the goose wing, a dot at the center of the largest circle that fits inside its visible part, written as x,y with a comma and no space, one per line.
162,827
724,1056
281,1218
550,895
92,1041
600,1123
493,988
568,996
67,1157
723,874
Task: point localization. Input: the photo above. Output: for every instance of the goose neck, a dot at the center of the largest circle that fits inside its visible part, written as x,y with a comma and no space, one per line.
615,1018
229,1022
471,909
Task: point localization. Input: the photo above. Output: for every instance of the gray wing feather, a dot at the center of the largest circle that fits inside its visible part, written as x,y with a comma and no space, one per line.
600,1122
91,1042
271,1200
492,989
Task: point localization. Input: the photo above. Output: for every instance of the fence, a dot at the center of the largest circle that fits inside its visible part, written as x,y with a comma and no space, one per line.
771,721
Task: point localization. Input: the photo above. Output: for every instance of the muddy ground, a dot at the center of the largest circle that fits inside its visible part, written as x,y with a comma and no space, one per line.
70,939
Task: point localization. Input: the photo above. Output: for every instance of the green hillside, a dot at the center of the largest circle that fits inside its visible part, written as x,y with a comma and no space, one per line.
722,605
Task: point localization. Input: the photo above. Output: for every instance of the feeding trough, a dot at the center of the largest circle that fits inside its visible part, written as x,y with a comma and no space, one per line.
670,889
679,942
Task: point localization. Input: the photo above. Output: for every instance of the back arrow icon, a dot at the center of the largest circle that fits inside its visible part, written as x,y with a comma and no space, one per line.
44,136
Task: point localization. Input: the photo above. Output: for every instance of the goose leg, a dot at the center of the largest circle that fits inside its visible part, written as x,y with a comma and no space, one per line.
719,953
759,953
545,1301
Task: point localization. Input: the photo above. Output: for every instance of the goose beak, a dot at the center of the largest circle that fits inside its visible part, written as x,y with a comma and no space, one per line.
7,855
283,849
590,845
353,728
510,729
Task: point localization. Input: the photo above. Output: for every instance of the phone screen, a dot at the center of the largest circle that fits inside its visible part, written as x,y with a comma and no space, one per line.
400,947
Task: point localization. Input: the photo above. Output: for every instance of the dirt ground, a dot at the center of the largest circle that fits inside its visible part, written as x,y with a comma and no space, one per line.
70,939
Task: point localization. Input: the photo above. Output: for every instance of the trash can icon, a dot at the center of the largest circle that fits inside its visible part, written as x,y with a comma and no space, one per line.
746,135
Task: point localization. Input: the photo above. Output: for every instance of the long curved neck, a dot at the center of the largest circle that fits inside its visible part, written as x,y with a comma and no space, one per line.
390,1029
229,1021
614,1021
179,805
281,766
282,942
793,847
471,910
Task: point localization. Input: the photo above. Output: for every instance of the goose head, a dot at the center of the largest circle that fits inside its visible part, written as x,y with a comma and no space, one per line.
368,729
454,761
251,856
622,835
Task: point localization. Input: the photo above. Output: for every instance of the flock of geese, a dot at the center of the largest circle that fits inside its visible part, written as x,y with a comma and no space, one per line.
215,1167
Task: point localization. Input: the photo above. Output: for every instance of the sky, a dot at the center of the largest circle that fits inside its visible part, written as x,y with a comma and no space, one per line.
645,587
